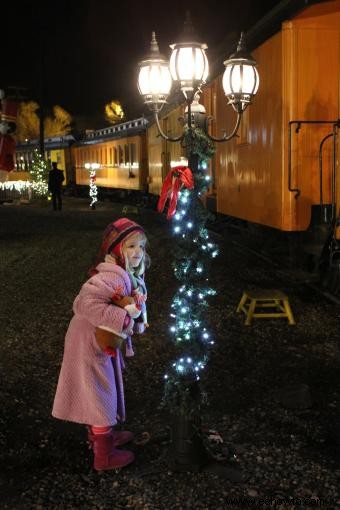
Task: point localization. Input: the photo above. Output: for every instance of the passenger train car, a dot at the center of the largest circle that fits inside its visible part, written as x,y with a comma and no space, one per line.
121,153
283,169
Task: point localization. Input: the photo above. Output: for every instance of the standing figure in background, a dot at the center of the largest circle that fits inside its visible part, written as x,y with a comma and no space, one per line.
55,180
109,308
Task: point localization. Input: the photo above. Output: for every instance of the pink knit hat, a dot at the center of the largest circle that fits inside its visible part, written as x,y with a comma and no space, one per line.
113,237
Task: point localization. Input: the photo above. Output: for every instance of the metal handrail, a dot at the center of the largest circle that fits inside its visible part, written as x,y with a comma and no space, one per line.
335,124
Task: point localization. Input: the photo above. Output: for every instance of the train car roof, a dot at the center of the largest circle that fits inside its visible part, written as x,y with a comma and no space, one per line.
122,130
263,29
54,142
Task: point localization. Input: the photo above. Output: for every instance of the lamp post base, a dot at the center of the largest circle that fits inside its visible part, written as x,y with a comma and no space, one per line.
187,450
188,453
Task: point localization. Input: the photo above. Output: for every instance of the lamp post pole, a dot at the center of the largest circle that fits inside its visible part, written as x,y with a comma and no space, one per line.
194,250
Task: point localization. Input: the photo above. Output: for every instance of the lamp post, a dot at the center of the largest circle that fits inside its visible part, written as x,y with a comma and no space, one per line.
185,185
93,192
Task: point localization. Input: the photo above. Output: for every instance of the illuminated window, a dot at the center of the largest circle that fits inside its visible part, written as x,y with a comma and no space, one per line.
121,154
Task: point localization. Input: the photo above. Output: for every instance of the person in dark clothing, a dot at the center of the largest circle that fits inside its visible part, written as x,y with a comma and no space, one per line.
55,180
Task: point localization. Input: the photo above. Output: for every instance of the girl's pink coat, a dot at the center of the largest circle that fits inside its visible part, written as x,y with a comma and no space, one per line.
90,387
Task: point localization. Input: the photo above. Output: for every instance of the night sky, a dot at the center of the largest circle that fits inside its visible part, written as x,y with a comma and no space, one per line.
91,48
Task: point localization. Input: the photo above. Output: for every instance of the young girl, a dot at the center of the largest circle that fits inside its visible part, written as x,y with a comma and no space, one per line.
109,307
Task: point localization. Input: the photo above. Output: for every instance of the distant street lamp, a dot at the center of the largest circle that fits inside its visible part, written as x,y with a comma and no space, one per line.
93,193
183,187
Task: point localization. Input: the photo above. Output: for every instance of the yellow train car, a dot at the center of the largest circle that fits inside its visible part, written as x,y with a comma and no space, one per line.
270,173
121,153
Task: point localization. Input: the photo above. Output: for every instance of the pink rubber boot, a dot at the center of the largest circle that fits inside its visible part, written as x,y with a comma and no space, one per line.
106,456
120,437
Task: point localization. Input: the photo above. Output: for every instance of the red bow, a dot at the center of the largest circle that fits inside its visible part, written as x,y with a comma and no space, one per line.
176,177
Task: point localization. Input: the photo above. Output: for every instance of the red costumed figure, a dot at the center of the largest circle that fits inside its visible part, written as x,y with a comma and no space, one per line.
7,127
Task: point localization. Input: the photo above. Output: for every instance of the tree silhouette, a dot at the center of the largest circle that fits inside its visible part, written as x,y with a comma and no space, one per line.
57,124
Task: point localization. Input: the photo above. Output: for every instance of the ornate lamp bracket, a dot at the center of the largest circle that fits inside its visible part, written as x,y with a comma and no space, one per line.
189,68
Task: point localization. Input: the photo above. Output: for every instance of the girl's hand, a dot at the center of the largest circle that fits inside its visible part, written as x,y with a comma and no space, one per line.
106,339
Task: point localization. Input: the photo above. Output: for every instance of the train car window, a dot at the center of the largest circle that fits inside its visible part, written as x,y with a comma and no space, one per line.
126,154
132,153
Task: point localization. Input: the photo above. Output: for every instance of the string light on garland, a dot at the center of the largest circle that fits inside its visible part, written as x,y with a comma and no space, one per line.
93,192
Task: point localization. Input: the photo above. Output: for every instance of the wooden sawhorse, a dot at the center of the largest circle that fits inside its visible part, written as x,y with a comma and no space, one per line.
272,299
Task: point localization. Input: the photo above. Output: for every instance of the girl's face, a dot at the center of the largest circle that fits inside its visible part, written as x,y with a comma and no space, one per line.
134,248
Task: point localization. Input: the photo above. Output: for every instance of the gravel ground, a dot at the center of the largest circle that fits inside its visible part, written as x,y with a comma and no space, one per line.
273,388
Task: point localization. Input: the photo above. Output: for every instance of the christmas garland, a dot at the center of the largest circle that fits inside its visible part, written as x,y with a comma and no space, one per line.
198,143
184,394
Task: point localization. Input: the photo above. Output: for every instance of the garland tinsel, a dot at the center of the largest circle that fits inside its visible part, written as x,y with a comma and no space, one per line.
193,254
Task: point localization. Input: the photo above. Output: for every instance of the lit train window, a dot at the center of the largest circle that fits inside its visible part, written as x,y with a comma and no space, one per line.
132,153
126,154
